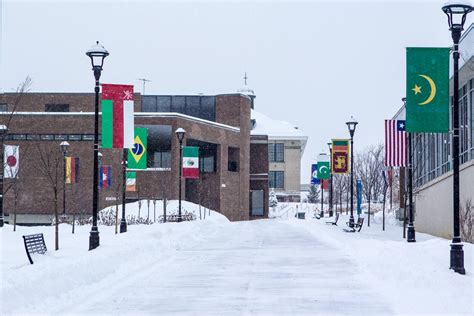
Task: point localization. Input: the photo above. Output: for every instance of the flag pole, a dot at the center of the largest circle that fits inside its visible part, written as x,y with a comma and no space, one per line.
123,222
411,228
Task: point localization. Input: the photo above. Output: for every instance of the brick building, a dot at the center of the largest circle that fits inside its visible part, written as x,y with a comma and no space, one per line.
233,167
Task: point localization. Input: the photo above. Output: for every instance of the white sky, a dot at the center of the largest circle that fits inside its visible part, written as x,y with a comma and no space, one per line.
313,64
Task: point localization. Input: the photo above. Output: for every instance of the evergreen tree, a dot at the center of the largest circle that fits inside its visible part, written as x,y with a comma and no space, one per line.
273,202
313,196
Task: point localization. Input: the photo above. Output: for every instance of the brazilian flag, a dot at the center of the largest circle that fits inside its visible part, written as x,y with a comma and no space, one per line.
427,90
137,154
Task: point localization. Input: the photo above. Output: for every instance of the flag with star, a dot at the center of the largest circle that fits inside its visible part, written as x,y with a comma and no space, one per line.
137,155
427,90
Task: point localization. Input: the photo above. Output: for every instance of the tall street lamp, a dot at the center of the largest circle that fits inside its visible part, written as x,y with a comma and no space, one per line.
3,132
180,132
456,13
330,181
64,147
351,125
97,54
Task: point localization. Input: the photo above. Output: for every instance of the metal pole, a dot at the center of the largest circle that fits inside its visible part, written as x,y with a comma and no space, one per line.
330,187
94,240
322,198
390,182
123,222
64,183
411,228
180,176
457,253
351,218
1,177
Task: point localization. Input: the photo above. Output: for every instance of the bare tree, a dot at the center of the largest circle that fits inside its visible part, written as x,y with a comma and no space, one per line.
49,161
466,221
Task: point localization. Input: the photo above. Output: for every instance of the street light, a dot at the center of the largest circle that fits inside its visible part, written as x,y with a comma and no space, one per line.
3,132
64,147
123,221
456,13
330,181
97,54
180,132
351,125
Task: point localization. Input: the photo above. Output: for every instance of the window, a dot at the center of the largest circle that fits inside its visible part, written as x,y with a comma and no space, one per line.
3,107
207,164
257,202
75,137
276,179
178,104
32,137
276,152
60,137
233,154
158,146
87,137
197,106
56,108
148,103
207,155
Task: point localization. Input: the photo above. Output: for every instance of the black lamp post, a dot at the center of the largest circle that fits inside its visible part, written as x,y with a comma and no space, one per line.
330,181
97,54
351,125
3,131
123,221
64,147
456,13
180,132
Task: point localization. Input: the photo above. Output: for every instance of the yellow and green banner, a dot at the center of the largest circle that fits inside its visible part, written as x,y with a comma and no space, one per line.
340,156
427,90
137,156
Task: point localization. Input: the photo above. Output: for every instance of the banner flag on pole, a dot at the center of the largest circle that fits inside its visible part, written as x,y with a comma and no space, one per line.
325,184
131,181
427,90
314,174
359,197
117,116
323,166
191,162
137,156
395,143
72,170
11,155
340,156
105,180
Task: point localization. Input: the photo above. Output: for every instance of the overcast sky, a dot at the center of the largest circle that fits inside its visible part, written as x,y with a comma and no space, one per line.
313,64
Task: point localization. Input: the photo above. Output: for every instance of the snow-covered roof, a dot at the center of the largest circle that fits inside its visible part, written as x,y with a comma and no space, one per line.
276,129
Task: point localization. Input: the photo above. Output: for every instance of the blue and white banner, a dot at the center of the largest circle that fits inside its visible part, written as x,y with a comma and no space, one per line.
314,174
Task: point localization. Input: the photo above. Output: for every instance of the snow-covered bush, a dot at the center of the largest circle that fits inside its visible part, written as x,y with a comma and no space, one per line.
273,202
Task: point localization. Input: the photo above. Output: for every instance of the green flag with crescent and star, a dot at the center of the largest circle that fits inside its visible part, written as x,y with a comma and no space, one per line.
323,167
427,90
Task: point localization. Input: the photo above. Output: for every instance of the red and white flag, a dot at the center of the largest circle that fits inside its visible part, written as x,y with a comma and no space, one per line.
395,143
12,161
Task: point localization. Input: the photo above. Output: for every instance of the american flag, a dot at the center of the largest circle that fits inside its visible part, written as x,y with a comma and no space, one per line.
395,143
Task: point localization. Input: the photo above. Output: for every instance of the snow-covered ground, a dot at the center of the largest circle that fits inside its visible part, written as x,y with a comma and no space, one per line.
281,266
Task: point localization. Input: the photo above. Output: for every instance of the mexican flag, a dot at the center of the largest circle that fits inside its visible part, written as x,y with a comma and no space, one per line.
191,162
131,181
117,116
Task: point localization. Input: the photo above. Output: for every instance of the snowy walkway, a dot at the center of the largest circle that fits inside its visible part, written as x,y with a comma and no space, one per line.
257,267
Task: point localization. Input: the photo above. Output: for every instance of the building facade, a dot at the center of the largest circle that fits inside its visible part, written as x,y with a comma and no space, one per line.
218,124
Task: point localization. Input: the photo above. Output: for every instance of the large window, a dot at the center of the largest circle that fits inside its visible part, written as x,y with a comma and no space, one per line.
197,105
56,108
158,146
3,107
207,155
276,152
276,179
257,202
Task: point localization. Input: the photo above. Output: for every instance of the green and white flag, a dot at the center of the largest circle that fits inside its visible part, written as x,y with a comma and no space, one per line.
427,90
323,167
191,162
131,181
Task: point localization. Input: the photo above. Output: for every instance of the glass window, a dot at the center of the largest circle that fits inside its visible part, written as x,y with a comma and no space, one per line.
161,159
148,103
276,152
75,137
276,179
193,106
56,108
233,154
208,108
159,146
19,137
32,137
47,137
163,104
3,107
257,197
87,137
178,104
60,137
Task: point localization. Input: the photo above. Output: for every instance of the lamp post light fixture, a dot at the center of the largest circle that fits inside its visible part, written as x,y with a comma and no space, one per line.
456,12
351,125
64,148
180,132
3,132
330,182
97,54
